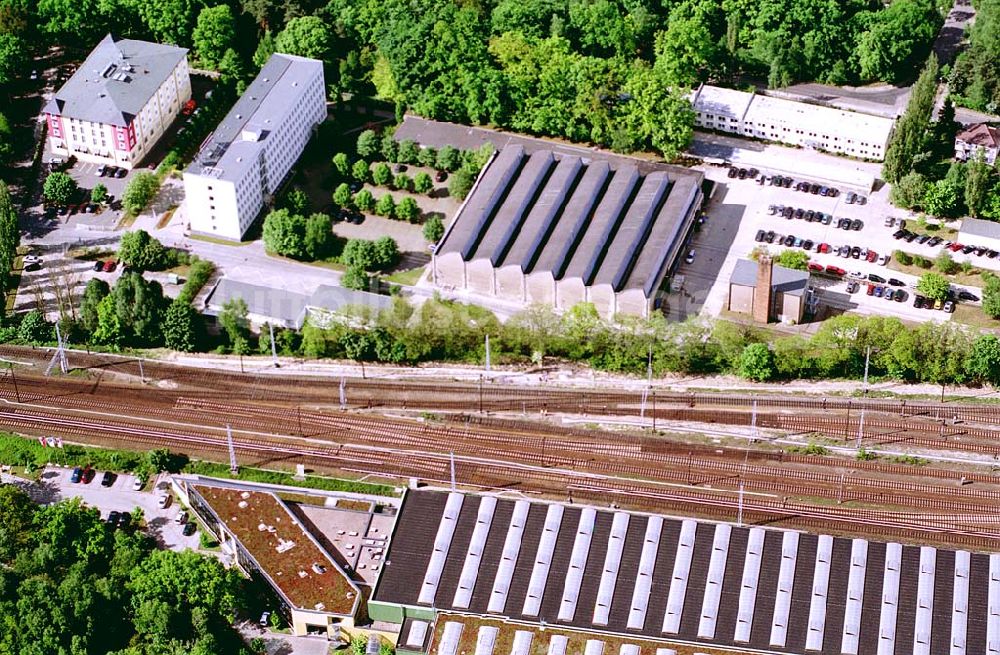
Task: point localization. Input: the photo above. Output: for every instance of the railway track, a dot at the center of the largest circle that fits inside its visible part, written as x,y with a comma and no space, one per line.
489,396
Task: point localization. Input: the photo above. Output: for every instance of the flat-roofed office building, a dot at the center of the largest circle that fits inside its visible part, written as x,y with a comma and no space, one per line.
558,229
245,161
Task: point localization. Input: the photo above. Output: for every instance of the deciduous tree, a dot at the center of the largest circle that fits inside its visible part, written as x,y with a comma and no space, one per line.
307,36
59,188
214,33
933,286
182,327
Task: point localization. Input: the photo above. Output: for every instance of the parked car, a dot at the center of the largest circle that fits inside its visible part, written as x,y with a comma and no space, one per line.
965,295
851,197
124,520
76,475
120,172
807,244
883,260
853,287
845,251
789,240
910,236
137,484
690,257
899,234
786,182
857,224
101,170
265,618
814,189
732,172
88,475
980,251
860,199
835,270
189,529
949,306
876,278
918,301
900,295
871,290
107,479
992,254
855,252
827,218
164,501
797,243
889,294
742,174
181,517
934,241
802,186
823,247
189,107
967,249
879,290
937,303
760,236
109,266
872,256
814,267
113,517
896,283
776,180
799,213
769,237
923,238
788,211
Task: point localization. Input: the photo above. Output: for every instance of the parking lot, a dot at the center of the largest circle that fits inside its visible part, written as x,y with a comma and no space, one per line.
740,209
161,523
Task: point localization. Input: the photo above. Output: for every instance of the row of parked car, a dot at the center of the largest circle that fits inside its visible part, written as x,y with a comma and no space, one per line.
111,171
811,216
85,475
817,189
954,246
845,251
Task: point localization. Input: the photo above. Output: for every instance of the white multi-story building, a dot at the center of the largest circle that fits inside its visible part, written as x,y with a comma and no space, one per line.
975,139
246,159
787,121
119,102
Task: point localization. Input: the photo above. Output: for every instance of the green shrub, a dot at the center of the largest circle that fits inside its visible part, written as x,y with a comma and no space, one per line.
903,258
403,182
423,183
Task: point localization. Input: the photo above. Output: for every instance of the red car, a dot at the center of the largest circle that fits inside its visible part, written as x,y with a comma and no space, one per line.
816,268
955,247
109,266
872,256
823,247
871,289
189,107
835,270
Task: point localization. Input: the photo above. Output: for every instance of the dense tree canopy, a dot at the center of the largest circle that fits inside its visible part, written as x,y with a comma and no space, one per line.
71,584
975,78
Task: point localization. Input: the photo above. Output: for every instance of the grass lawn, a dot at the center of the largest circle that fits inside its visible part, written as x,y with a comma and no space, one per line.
333,264
15,282
973,315
932,229
972,278
407,278
219,242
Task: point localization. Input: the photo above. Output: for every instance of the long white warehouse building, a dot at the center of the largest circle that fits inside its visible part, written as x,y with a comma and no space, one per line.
787,121
246,159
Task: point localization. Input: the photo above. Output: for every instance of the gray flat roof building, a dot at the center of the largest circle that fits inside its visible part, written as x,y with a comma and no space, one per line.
979,228
115,81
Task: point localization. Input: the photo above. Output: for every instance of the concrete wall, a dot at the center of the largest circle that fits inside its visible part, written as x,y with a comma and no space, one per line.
569,292
479,276
449,270
603,297
541,288
790,308
210,207
740,299
633,302
510,283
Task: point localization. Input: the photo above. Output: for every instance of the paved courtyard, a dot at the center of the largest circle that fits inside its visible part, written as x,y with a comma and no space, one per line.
739,209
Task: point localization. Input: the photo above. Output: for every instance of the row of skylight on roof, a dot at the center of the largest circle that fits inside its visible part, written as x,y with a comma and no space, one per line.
442,543
819,597
486,639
